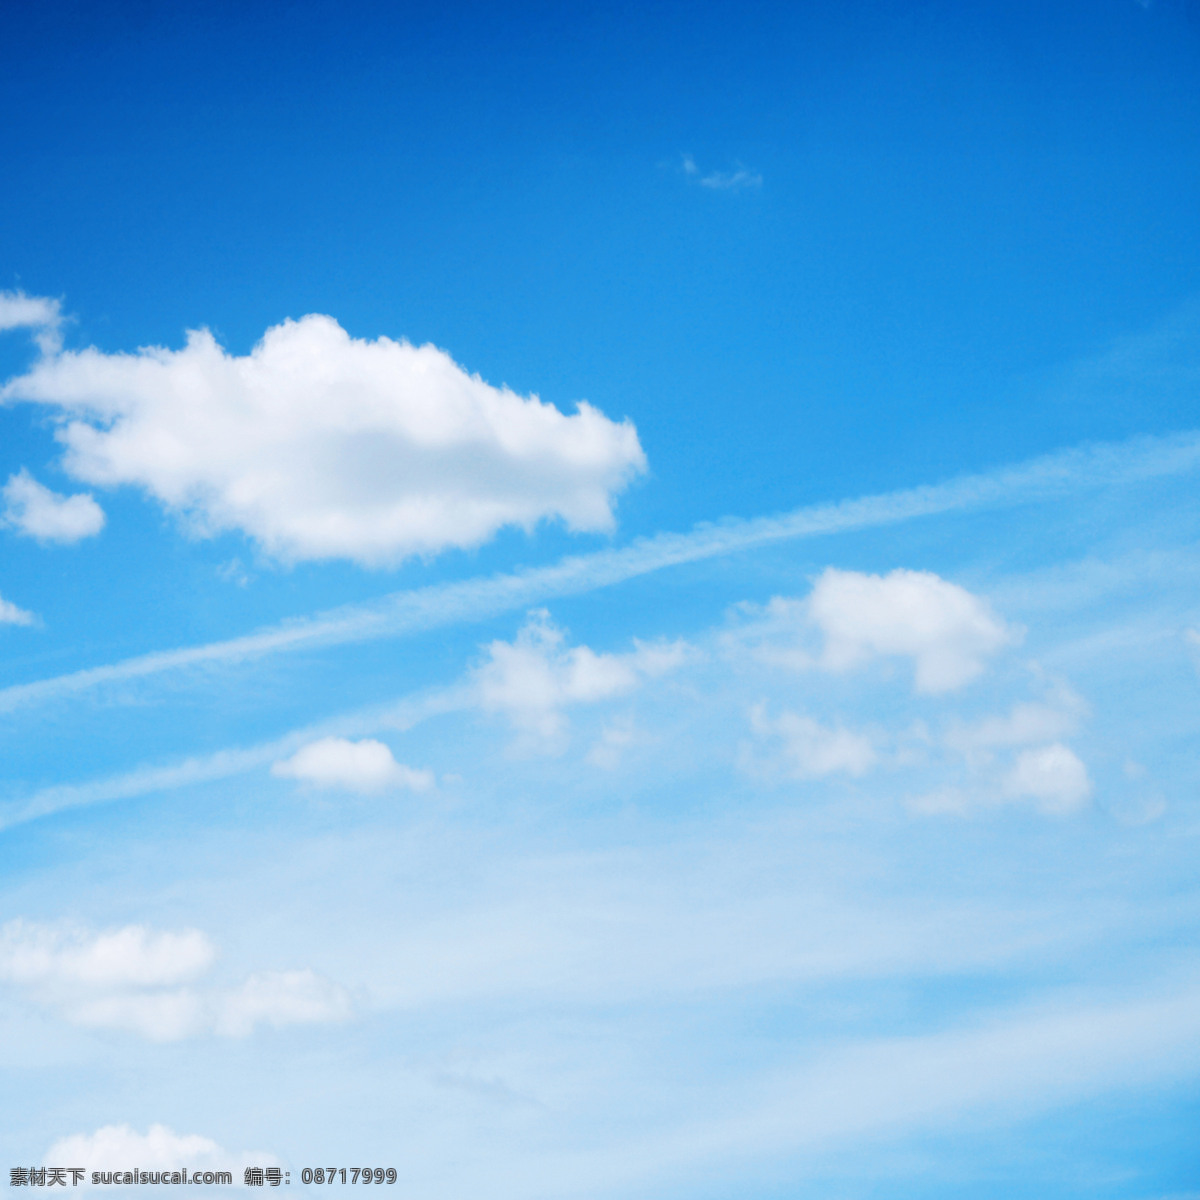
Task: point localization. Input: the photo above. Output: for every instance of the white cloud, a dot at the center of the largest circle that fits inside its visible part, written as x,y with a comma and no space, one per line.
721,181
10,614
34,510
807,749
120,1147
534,678
39,313
280,998
362,766
1026,723
132,956
1051,775
615,738
130,979
947,631
159,1016
319,445
403,613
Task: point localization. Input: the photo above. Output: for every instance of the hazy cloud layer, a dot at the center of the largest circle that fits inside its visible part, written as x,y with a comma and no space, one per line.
806,749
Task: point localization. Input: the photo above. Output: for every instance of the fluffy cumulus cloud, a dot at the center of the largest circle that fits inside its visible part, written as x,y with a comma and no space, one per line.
803,748
943,628
33,509
363,766
1052,776
319,445
851,618
121,1147
533,679
40,314
134,955
11,614
144,981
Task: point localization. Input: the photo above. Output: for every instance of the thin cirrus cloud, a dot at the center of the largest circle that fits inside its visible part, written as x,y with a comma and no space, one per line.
145,982
535,679
363,766
34,510
1070,472
318,445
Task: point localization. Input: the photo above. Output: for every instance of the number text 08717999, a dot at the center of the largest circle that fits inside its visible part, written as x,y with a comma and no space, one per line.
348,1175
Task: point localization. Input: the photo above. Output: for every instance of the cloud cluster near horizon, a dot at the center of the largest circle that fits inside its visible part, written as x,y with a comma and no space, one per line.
318,445
781,674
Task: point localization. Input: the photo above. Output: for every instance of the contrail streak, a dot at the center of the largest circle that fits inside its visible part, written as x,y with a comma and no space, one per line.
471,600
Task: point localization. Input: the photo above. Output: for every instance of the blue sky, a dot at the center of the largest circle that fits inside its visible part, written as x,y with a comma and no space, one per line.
603,603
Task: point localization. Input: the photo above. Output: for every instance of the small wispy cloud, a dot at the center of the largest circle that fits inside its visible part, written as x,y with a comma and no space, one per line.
10,614
721,181
536,677
33,510
40,314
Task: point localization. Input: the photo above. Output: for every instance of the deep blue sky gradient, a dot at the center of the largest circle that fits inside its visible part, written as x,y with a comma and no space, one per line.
969,239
